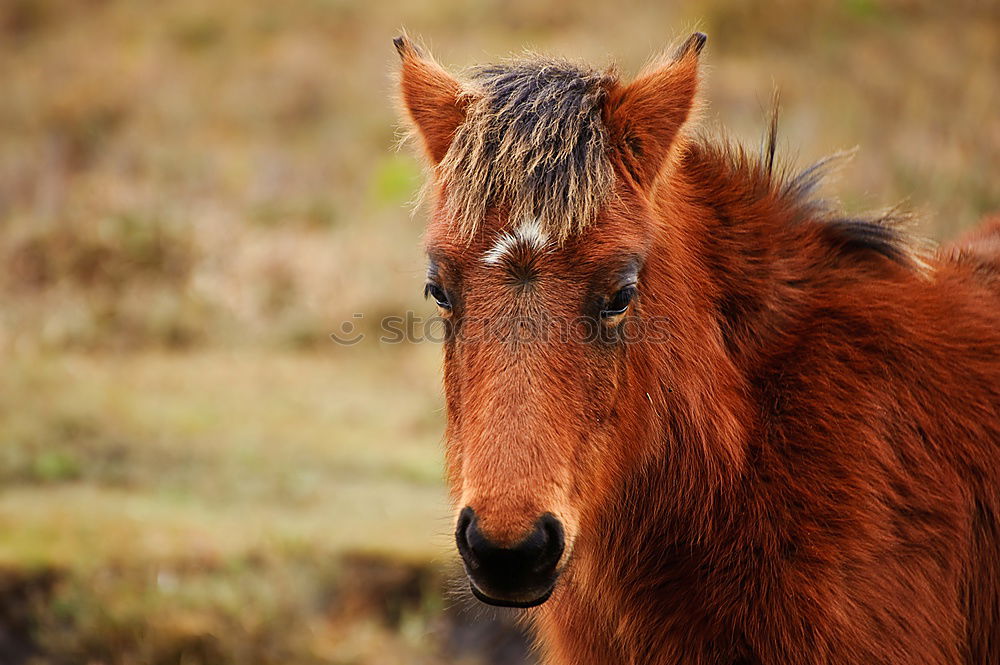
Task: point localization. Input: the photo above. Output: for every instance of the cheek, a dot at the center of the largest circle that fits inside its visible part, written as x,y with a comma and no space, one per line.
604,443
453,410
603,375
452,383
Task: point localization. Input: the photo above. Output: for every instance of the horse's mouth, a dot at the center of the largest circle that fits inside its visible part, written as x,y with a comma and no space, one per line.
520,602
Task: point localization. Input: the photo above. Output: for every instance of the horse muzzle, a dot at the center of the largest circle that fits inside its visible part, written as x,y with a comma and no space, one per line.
519,575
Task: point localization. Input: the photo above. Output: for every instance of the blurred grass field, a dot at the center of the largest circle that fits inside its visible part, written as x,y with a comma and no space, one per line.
194,195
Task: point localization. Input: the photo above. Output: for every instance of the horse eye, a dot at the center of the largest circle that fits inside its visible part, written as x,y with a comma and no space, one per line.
619,302
436,292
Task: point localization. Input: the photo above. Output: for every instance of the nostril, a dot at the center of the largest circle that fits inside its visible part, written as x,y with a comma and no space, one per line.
553,540
537,554
466,524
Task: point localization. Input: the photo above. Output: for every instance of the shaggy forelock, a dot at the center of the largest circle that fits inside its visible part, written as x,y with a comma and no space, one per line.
532,142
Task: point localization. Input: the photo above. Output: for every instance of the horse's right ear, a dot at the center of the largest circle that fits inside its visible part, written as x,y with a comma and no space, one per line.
645,117
431,97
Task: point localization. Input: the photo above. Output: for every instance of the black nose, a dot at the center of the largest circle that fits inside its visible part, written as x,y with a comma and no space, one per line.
521,575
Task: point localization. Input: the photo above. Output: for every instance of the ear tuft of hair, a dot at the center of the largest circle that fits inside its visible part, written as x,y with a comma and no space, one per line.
693,44
405,47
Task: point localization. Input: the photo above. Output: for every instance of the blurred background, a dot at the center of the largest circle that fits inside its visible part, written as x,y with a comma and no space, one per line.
194,195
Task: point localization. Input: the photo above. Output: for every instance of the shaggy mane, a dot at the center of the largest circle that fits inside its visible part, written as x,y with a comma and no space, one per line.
533,141
881,234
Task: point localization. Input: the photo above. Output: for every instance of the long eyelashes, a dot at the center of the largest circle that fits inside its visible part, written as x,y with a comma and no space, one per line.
434,291
618,305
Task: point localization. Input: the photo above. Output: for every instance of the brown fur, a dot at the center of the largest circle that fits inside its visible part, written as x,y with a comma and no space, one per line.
804,469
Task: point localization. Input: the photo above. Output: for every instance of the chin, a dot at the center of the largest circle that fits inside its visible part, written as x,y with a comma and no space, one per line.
519,601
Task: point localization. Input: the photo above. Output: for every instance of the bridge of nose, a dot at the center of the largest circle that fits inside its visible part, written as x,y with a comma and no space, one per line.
503,532
531,540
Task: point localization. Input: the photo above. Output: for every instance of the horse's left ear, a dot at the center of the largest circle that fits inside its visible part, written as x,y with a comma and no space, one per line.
431,97
644,117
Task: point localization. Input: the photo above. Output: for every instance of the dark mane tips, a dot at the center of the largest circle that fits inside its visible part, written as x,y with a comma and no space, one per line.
882,234
533,140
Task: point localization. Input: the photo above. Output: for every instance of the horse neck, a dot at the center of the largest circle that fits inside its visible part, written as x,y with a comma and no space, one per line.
753,259
725,274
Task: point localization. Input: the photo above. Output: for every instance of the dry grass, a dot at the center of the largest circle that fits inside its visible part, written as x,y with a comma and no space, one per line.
178,521
193,195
